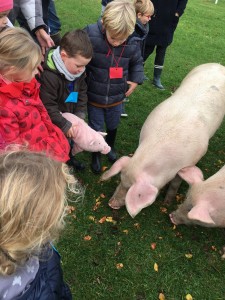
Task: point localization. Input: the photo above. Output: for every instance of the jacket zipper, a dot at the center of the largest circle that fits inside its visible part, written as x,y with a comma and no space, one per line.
108,85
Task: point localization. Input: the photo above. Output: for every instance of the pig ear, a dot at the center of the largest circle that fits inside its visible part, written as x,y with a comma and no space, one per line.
200,213
140,195
116,168
191,174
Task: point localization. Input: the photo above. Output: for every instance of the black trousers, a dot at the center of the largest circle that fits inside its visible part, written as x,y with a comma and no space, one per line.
160,53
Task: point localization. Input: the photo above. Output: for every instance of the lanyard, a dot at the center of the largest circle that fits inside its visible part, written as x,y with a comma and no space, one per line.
110,52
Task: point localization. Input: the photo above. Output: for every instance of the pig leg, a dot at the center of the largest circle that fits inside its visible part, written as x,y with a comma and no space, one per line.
172,189
118,198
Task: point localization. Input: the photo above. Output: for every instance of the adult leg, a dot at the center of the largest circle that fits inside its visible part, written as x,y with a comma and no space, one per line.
158,67
54,23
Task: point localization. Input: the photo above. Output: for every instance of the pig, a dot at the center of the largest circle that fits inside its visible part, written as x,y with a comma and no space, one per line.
205,201
173,138
86,138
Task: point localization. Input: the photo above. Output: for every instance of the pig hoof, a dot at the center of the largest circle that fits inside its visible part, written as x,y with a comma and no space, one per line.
113,203
172,219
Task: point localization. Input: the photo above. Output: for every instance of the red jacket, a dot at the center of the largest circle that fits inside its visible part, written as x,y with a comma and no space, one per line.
24,120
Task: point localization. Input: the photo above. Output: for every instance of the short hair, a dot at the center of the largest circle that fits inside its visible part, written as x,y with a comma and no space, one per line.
119,18
144,6
18,49
32,204
76,42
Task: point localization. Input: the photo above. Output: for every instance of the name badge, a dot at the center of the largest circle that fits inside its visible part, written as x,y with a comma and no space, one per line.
73,97
115,72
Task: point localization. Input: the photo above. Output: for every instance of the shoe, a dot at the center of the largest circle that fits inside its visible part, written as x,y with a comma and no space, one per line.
124,115
96,162
110,140
157,77
126,100
77,165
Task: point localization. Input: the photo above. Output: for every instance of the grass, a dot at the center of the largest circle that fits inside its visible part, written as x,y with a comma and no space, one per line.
90,266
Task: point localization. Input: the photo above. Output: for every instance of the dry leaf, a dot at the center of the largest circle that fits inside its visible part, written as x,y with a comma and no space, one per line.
162,296
189,255
119,266
156,267
102,220
137,225
214,248
125,231
163,209
153,246
102,196
188,297
91,218
87,238
104,168
174,227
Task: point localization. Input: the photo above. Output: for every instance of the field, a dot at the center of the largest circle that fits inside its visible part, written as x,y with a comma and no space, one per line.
146,258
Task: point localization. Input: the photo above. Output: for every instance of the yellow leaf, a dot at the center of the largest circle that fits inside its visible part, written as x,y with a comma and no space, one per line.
162,296
102,220
189,255
156,268
119,266
109,219
91,218
87,238
188,297
104,168
125,231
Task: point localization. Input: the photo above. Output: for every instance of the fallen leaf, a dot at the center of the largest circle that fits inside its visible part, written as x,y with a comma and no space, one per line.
119,266
156,268
188,297
102,196
137,225
125,231
174,227
189,255
162,296
104,168
87,238
70,209
91,218
109,219
163,209
102,220
153,246
214,248
160,238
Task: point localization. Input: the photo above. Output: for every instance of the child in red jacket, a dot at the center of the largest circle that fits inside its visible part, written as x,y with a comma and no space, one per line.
23,118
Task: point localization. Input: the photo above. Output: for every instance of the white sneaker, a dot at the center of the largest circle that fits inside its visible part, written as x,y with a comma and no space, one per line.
124,115
126,100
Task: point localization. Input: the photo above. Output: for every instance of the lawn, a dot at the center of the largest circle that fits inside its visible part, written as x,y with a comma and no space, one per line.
146,257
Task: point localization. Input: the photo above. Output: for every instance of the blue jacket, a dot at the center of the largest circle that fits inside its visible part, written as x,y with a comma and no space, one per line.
48,283
102,90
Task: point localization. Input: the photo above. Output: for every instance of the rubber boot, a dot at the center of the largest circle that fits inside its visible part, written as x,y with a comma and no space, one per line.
96,162
77,165
110,140
156,80
56,37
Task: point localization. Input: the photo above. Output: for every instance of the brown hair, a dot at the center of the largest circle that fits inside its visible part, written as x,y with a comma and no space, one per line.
32,204
76,42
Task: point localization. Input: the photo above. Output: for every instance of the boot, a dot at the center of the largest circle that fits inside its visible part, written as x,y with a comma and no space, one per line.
156,80
77,165
96,162
110,140
56,37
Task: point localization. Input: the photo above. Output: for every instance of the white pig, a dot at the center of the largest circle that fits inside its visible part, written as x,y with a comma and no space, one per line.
205,201
174,137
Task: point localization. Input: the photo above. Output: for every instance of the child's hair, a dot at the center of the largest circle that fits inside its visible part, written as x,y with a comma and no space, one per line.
119,18
18,49
143,7
76,42
32,204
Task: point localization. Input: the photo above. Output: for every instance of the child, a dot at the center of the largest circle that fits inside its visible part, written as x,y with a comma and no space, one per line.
63,86
114,71
32,206
24,119
5,7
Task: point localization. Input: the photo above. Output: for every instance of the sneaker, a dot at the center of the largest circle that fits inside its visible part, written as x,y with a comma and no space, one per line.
126,100
125,115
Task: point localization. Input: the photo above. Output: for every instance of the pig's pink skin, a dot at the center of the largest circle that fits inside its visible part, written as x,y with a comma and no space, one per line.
205,201
85,138
174,136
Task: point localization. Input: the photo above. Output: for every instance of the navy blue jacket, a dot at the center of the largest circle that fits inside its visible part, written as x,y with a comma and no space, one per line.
102,90
48,283
164,22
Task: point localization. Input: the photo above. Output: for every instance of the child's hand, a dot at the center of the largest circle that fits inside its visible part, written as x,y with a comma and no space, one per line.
70,132
132,87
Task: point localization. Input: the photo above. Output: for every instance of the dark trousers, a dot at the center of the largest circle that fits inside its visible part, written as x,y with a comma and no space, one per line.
160,53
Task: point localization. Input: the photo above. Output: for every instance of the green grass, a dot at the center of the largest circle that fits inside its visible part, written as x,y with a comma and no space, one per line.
90,266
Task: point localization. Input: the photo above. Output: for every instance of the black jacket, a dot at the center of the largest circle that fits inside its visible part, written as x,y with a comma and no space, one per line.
53,92
164,22
102,90
48,283
141,32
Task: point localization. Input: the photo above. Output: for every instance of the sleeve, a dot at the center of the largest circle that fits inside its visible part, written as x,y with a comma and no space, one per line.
49,96
81,108
181,5
136,68
32,11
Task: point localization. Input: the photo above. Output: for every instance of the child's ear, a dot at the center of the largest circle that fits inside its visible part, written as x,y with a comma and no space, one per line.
63,54
139,15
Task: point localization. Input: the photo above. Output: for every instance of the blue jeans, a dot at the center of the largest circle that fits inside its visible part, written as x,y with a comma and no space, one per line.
98,117
53,20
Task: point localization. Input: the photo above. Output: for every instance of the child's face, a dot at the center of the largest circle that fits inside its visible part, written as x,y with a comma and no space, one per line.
144,18
74,65
115,41
3,19
15,75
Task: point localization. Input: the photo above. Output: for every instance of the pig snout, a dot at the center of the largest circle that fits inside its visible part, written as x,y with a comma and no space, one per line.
106,149
116,203
172,219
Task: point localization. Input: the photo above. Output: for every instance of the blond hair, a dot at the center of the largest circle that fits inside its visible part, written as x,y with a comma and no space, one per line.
143,7
17,49
32,204
119,18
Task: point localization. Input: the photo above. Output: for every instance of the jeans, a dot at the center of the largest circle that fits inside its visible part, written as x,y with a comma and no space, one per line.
53,20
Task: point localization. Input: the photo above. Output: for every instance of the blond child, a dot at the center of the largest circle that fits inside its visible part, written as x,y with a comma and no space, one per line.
114,71
32,210
5,7
24,119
